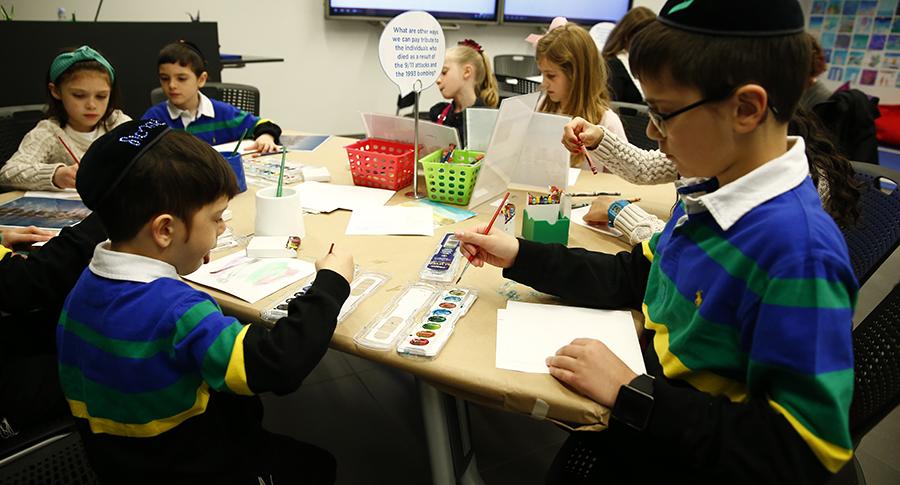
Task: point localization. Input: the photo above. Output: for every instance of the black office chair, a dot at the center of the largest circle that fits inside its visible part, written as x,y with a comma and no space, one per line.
49,453
15,123
409,101
876,233
634,119
241,96
510,86
516,65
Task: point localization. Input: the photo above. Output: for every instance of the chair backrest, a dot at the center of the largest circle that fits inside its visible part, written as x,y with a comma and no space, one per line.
876,353
634,119
15,123
48,453
513,86
578,461
516,65
876,234
241,96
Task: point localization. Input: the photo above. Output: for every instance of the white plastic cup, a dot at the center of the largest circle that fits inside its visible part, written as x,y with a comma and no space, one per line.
279,216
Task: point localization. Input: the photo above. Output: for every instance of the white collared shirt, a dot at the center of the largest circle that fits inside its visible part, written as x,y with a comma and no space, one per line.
729,203
187,117
116,265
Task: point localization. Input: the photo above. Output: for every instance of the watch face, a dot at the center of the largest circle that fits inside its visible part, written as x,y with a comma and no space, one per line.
633,405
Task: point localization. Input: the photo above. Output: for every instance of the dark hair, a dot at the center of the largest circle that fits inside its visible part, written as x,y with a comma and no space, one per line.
826,161
716,65
178,175
620,36
55,108
185,54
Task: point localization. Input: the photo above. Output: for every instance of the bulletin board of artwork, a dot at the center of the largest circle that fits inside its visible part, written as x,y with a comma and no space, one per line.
860,40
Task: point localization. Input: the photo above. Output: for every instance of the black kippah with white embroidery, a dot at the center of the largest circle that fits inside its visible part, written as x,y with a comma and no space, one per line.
111,156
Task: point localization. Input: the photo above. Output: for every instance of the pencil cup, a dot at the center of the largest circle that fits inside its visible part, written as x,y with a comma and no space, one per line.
279,216
238,166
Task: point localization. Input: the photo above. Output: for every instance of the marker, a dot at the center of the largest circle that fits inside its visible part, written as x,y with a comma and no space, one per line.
68,149
486,231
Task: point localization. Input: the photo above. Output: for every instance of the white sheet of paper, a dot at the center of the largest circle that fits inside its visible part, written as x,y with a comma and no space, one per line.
578,218
479,126
401,128
393,220
326,197
229,147
251,279
528,333
71,194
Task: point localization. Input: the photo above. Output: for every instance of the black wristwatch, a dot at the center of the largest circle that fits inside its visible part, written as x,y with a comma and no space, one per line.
634,403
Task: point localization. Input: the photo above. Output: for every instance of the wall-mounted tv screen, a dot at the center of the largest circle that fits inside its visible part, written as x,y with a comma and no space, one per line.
455,10
585,12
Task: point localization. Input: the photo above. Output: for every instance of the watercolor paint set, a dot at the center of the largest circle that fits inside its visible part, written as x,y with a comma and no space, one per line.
444,265
428,337
384,330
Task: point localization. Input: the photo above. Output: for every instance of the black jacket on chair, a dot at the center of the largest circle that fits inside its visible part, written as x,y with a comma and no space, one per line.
850,117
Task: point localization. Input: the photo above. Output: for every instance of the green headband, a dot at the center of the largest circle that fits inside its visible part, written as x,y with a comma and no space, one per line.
84,53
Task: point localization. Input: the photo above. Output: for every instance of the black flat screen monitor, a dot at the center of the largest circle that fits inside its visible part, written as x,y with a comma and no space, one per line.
584,12
481,11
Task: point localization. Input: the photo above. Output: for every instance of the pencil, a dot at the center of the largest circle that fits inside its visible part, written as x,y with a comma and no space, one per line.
486,231
67,149
331,248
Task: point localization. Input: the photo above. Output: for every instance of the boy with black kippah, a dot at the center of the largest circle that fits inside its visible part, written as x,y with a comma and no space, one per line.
182,72
747,293
162,383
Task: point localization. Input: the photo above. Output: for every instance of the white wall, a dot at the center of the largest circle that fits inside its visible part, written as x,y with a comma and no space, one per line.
330,71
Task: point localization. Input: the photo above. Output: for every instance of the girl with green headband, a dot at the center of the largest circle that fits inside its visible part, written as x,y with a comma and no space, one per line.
83,105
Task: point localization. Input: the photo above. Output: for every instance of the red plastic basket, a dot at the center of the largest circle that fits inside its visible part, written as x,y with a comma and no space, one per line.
381,163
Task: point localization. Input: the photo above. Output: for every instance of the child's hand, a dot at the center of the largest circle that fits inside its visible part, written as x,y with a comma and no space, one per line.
264,144
24,235
340,263
599,211
588,366
64,177
578,133
497,248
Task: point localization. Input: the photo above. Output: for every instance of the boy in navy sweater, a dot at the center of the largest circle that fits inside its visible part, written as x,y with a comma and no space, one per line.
747,292
162,383
182,72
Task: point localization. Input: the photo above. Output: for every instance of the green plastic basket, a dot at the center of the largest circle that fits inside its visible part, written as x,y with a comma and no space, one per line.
451,182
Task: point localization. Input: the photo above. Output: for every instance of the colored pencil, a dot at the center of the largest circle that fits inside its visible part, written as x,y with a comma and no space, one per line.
486,231
68,149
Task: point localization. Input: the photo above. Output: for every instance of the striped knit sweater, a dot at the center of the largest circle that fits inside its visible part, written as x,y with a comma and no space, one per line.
162,381
749,294
226,126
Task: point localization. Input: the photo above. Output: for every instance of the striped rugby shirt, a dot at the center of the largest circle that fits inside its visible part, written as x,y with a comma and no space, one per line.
216,121
155,371
750,294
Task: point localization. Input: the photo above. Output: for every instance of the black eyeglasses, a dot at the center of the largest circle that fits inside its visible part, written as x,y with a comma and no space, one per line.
658,119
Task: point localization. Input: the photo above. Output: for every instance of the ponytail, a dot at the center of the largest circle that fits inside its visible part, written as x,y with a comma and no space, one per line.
488,91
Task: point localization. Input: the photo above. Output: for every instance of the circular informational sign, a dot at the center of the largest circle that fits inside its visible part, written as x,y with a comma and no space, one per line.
411,50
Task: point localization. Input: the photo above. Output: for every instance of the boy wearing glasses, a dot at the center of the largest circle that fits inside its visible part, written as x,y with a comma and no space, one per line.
747,292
